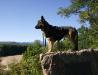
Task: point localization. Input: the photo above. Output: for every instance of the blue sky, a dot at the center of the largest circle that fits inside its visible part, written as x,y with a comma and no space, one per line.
19,17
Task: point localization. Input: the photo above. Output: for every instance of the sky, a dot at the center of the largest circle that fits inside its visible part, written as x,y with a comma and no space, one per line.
19,17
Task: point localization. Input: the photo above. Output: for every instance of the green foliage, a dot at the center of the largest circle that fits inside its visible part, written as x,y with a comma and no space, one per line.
94,35
87,10
73,8
62,45
59,46
67,44
88,37
84,39
30,64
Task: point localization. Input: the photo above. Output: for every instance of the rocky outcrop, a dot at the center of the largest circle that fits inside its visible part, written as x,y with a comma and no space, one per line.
83,62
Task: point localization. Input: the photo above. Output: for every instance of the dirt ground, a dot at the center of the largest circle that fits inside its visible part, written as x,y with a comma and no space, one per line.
5,61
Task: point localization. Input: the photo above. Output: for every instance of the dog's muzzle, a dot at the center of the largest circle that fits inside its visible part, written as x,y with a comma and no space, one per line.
37,27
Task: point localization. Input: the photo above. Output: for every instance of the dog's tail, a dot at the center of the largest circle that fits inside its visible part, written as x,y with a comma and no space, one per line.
76,40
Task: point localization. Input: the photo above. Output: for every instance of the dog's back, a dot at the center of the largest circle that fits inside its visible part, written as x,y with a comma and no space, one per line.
60,32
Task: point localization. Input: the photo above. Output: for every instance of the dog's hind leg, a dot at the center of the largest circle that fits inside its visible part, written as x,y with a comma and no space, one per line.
73,36
50,44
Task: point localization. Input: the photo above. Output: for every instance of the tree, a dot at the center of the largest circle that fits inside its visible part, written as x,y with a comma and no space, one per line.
86,9
84,38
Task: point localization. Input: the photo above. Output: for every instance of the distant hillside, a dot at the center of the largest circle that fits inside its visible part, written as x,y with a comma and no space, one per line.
13,48
15,43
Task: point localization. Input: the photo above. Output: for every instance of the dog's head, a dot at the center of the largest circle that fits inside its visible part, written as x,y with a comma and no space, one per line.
41,23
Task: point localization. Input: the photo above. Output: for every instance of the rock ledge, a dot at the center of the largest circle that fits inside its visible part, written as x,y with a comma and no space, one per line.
83,62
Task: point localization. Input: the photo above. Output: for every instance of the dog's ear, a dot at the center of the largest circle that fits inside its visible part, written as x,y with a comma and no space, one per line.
42,18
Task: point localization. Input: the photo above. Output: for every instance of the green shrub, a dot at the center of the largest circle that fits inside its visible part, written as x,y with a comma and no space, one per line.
30,65
62,45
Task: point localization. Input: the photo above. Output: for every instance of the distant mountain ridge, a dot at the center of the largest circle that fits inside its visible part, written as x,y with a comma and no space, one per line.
14,43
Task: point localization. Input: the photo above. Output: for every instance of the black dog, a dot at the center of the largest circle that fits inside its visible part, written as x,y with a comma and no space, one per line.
54,33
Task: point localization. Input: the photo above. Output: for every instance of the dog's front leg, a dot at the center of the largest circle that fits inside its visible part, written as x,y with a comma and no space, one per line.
50,45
